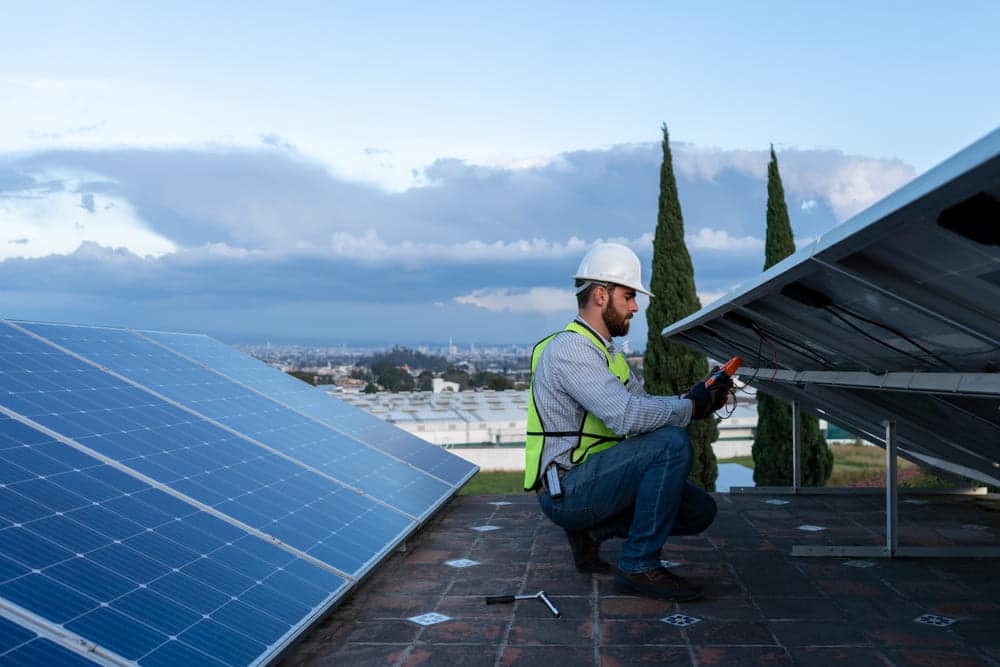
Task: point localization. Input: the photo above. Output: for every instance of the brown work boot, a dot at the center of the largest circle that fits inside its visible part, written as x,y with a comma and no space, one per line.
586,553
656,583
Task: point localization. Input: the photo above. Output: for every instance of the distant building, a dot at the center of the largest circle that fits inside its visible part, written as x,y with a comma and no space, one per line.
452,418
487,427
440,384
349,384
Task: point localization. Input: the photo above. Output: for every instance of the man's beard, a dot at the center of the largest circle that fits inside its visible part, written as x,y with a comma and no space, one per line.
616,323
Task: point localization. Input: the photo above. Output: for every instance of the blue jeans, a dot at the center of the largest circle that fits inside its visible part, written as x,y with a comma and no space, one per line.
636,490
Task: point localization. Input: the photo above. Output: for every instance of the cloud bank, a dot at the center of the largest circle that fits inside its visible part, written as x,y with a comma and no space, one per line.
263,242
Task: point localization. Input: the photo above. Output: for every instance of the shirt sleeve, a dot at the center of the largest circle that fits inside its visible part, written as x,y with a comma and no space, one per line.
582,372
635,384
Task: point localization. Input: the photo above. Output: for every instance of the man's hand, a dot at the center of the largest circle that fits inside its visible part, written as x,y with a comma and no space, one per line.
707,400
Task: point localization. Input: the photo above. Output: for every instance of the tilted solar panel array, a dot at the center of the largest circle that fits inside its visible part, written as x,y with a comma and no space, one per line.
156,510
894,315
302,398
246,411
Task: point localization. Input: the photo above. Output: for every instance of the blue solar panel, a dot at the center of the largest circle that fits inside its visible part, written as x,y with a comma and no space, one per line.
167,513
140,573
318,405
259,488
20,646
238,407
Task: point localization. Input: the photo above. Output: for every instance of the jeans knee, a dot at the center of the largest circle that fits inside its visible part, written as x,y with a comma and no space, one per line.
677,443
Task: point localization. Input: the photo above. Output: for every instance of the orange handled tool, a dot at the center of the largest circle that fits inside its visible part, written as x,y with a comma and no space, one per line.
727,370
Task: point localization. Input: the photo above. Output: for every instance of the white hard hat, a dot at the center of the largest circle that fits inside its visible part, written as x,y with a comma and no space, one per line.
611,263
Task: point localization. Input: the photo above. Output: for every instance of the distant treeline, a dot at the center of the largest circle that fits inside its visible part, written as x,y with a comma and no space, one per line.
387,371
402,356
394,378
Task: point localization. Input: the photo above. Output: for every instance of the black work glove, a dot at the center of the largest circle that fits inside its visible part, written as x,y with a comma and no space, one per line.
708,399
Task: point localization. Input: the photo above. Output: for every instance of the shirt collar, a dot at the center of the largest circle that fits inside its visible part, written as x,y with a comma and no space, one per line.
608,343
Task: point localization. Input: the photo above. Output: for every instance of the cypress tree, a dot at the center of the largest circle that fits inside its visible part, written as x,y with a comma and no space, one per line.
670,368
772,445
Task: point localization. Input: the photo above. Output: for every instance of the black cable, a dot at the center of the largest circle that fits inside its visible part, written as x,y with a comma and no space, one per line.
895,331
801,349
731,410
871,337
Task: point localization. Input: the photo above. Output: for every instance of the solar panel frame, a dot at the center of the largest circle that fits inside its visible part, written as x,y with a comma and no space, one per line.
23,642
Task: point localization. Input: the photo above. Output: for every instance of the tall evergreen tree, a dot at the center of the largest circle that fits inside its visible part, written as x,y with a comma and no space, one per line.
772,445
670,368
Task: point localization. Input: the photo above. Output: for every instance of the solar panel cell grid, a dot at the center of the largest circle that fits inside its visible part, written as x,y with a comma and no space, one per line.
20,646
161,449
132,570
13,635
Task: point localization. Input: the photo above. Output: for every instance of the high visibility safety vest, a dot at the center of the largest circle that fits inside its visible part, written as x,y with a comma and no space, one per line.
593,435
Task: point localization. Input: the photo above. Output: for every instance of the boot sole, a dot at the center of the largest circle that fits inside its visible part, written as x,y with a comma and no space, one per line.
629,589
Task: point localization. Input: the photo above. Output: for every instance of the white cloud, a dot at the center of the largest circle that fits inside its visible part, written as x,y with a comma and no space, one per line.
94,252
719,239
848,183
517,163
707,298
371,248
211,251
859,183
49,224
707,163
533,300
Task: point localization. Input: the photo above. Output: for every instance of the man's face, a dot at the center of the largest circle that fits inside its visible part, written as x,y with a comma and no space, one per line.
619,309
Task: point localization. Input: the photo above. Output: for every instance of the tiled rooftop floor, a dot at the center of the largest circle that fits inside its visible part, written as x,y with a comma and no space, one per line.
763,606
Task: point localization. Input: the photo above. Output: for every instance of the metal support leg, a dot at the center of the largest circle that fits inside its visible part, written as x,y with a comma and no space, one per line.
892,547
891,491
796,448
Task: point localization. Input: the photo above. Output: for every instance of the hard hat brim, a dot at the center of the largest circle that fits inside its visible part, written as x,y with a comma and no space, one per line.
637,288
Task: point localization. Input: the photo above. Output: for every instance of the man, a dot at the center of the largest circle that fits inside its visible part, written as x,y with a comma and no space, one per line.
606,458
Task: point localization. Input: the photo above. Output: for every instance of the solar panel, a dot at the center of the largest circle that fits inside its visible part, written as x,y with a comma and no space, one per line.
894,315
208,464
100,555
158,511
242,409
318,405
21,646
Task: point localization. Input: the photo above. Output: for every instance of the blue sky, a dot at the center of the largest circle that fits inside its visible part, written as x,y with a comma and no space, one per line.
408,172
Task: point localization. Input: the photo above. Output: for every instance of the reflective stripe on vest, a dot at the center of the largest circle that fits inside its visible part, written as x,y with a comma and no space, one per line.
593,435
